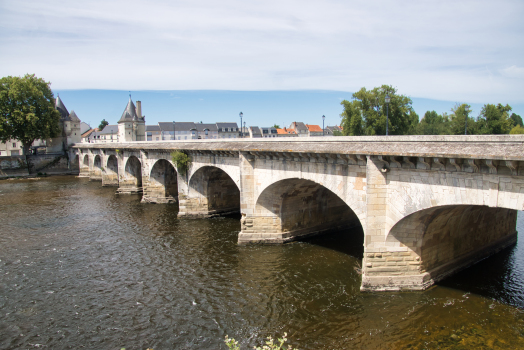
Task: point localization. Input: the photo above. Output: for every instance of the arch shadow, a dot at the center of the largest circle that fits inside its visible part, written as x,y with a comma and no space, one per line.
211,189
447,239
163,184
303,208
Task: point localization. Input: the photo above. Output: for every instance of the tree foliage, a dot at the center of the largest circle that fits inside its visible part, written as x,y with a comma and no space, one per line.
517,130
182,160
494,119
103,124
27,110
366,114
516,119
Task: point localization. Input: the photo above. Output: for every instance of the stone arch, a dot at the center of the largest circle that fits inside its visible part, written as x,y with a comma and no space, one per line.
211,191
133,172
112,165
445,239
452,189
86,160
301,207
234,175
110,173
96,173
163,184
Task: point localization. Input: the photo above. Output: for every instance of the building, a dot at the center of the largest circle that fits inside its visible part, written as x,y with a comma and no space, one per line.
255,132
314,130
228,130
11,148
332,130
269,132
207,131
300,129
285,132
132,125
153,133
70,133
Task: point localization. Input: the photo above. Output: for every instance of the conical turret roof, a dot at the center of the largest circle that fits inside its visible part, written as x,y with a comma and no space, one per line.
59,105
129,114
73,117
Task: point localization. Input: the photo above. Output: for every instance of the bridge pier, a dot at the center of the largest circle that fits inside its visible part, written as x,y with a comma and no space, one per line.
84,165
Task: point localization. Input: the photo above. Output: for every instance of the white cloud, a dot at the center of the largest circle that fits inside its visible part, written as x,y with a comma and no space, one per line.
434,49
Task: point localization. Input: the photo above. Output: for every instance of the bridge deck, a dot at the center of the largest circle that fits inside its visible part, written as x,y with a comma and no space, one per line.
502,147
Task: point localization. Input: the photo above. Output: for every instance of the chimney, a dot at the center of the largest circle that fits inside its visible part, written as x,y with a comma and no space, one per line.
139,109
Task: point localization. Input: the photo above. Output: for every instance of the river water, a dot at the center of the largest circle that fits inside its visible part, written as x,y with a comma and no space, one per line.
82,267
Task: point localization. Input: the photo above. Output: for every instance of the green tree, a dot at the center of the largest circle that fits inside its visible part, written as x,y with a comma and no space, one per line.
517,130
516,119
366,113
103,124
276,126
27,110
432,124
495,119
457,121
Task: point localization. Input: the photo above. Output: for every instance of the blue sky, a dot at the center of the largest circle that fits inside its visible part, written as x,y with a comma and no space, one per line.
276,60
260,108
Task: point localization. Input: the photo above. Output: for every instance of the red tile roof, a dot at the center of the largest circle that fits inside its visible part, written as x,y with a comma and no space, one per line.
314,128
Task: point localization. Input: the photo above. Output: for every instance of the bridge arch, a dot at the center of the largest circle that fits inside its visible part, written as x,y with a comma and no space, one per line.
234,175
211,191
445,239
299,207
96,173
86,160
163,183
110,173
131,180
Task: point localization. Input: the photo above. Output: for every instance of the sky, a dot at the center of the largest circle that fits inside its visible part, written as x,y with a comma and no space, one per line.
276,61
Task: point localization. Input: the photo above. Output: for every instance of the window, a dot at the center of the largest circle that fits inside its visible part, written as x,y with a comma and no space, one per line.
14,144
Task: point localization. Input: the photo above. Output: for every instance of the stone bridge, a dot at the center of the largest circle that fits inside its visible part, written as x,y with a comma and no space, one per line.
428,206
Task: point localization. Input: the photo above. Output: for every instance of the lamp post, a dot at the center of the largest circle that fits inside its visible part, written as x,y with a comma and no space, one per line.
388,99
174,137
466,121
241,131
323,118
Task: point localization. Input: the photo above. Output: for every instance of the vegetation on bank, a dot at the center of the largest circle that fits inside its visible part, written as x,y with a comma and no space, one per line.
27,110
367,112
232,344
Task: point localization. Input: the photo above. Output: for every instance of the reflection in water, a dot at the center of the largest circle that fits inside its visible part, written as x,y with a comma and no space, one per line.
82,267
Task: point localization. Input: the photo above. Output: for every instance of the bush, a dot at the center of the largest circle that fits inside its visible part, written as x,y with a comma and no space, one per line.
182,160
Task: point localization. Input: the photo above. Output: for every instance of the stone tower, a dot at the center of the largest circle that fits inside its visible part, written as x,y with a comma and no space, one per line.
132,125
70,126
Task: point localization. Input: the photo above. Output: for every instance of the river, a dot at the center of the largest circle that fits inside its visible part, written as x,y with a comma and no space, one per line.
84,268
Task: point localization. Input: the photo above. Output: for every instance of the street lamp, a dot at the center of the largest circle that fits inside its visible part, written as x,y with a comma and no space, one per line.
174,137
323,118
388,99
466,121
241,131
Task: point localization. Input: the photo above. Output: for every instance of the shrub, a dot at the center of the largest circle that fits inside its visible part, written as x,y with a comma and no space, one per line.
232,344
182,160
